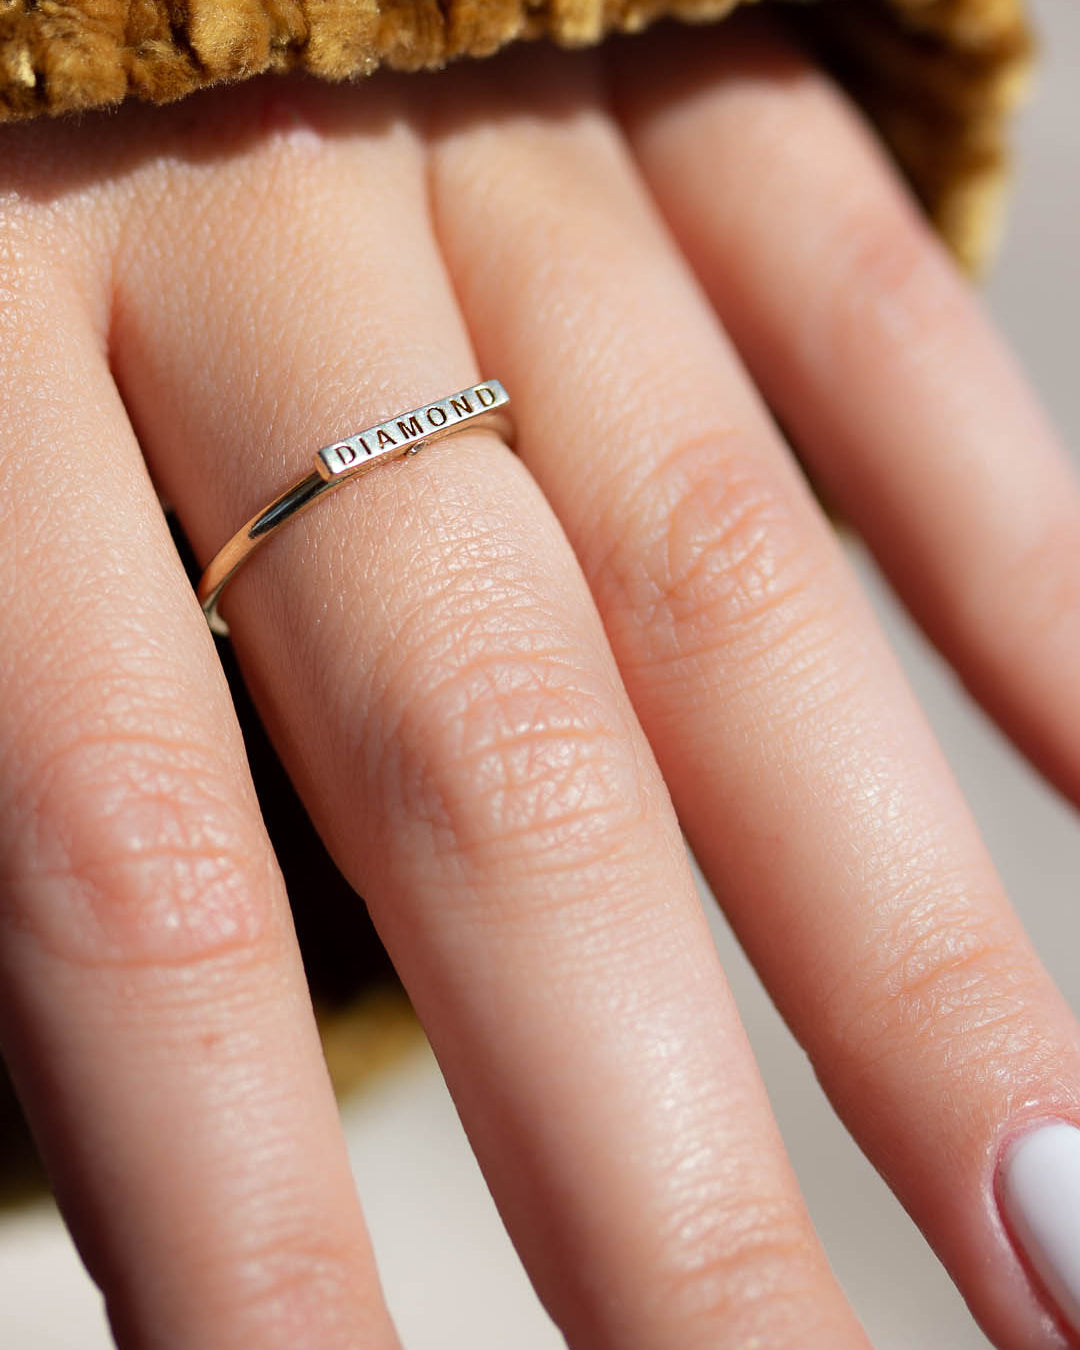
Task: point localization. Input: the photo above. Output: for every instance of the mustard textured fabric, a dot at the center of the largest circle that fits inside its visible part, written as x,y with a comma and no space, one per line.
937,76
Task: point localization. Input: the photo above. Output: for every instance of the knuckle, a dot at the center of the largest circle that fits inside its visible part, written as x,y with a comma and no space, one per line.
542,759
944,975
885,278
747,1267
139,854
513,750
296,1285
714,555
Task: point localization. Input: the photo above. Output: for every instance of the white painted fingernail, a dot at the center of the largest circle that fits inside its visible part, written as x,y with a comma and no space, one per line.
1040,1193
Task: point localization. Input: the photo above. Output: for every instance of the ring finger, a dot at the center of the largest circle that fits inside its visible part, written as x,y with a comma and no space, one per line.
428,657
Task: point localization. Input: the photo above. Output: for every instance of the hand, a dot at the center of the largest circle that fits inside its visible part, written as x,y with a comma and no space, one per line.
477,666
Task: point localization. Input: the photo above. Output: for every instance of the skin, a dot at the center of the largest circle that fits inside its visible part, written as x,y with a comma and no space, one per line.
503,682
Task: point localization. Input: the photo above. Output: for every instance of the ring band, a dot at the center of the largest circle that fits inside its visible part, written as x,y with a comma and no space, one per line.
335,464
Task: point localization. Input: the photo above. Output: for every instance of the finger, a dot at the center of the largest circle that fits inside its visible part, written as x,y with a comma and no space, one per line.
859,331
152,1002
803,772
431,664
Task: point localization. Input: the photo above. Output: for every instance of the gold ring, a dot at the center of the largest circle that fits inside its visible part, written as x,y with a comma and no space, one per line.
335,464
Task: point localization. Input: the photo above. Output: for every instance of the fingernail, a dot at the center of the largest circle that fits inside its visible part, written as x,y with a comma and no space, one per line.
1040,1194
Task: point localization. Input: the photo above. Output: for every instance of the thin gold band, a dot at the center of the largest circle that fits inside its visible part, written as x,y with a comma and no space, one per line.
335,464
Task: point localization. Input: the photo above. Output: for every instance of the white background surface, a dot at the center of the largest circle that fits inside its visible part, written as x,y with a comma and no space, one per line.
452,1279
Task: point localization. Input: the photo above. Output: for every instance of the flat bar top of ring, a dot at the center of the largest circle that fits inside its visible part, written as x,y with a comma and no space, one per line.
336,463
409,431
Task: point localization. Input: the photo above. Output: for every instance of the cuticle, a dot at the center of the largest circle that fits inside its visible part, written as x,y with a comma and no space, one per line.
1009,1136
